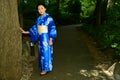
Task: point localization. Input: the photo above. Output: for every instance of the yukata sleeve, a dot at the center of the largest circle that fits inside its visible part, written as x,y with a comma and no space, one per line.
34,33
52,29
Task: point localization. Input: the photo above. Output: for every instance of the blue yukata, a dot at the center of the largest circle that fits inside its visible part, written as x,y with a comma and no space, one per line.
42,31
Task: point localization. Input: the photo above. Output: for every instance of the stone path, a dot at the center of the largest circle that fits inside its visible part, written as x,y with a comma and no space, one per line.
73,59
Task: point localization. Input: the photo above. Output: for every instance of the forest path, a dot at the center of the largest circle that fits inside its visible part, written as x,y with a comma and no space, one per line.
74,58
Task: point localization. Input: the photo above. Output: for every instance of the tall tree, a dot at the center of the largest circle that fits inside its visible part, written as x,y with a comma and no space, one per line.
97,13
100,11
10,37
57,9
20,12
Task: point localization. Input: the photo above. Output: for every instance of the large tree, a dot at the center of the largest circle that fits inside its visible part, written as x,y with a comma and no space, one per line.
20,11
10,41
99,12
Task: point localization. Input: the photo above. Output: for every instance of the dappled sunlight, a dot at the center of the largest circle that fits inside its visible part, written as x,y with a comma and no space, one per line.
100,72
95,74
89,73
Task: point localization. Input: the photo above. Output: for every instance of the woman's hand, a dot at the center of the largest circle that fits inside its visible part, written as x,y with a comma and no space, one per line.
23,31
50,42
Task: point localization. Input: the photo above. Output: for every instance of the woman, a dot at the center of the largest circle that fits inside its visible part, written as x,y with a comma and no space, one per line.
44,31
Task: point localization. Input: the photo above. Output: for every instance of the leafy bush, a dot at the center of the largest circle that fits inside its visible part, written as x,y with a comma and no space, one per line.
108,34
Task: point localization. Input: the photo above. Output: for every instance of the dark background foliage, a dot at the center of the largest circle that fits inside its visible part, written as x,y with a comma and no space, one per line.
101,18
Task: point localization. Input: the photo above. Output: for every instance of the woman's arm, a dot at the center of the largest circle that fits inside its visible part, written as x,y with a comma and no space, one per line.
52,32
23,31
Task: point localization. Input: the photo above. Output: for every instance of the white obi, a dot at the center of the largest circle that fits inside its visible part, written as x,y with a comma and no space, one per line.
42,29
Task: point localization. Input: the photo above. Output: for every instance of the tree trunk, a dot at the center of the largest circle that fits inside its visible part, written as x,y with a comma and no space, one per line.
20,13
58,10
11,42
104,10
98,12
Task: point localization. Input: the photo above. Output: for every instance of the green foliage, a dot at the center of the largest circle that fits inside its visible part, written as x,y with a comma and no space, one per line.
66,19
29,13
108,34
89,29
51,9
74,6
116,55
113,13
70,11
112,29
88,7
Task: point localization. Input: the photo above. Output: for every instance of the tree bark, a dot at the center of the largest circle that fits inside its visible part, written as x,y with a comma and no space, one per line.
104,10
20,13
11,41
98,12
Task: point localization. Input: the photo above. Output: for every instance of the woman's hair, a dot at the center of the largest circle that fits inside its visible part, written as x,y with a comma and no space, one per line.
43,4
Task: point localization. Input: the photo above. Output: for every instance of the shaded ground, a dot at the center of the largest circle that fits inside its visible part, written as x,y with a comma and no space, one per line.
75,57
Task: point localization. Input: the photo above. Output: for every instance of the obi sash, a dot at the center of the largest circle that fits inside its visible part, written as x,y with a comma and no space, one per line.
42,29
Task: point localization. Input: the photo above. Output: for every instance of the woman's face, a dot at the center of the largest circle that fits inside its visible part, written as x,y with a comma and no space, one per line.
41,9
